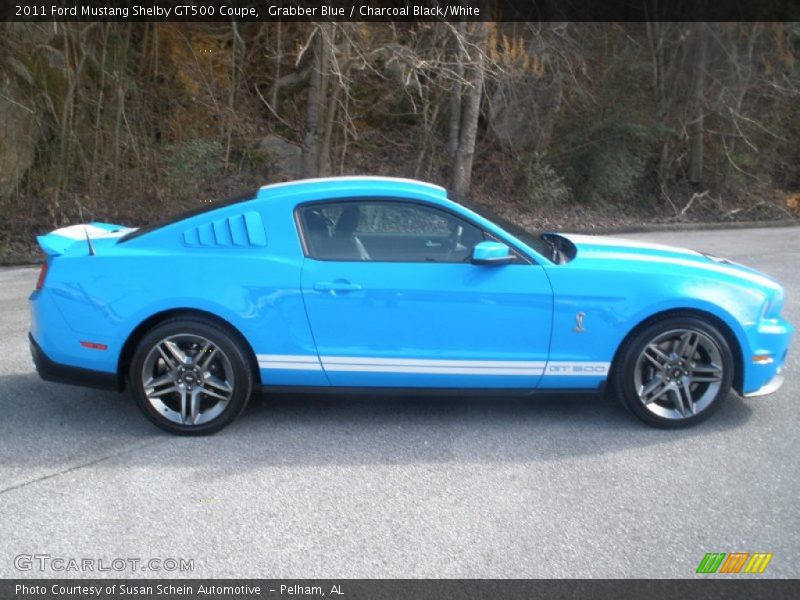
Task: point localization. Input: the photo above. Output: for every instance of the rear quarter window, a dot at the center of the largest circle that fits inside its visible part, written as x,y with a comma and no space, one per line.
193,212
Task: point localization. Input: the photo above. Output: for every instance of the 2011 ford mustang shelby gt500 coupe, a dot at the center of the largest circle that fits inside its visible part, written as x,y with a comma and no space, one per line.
369,282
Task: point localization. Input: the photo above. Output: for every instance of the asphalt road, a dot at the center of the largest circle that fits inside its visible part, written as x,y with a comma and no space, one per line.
388,487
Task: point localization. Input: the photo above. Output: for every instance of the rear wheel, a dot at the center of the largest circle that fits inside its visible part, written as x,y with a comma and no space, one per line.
190,376
675,372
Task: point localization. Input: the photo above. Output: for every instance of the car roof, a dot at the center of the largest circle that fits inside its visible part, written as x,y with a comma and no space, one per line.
337,186
373,183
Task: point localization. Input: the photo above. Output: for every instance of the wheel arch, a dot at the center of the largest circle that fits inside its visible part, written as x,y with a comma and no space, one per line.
724,328
129,347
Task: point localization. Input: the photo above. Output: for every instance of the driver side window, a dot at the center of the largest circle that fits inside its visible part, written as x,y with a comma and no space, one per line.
386,231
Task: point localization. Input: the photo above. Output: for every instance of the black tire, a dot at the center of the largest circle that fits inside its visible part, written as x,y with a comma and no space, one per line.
226,364
668,410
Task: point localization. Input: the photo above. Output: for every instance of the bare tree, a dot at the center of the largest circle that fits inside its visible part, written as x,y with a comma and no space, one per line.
470,111
335,52
698,103
455,100
311,130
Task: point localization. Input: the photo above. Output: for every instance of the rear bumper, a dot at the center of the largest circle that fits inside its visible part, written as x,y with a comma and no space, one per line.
50,370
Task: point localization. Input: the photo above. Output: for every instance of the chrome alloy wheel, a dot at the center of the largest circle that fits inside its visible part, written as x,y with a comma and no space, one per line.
679,373
187,379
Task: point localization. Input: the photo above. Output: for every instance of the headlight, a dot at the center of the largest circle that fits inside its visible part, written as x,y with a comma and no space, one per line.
774,305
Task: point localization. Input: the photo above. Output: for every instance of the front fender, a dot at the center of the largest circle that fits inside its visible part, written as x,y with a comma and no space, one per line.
615,302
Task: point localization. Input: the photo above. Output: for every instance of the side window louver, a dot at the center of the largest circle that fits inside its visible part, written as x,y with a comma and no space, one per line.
238,231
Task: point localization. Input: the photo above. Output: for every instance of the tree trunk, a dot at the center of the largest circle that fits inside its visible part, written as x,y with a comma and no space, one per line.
311,131
237,49
455,100
93,175
273,97
470,111
698,101
744,73
327,108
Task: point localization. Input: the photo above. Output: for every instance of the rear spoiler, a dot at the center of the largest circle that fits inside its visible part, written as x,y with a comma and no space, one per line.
77,239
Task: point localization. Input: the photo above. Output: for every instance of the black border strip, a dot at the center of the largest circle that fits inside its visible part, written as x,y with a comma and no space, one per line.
401,10
415,589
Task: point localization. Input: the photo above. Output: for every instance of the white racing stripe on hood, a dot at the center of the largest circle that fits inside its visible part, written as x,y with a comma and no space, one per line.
599,240
726,269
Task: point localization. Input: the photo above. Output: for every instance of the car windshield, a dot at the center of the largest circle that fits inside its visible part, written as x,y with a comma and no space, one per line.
532,239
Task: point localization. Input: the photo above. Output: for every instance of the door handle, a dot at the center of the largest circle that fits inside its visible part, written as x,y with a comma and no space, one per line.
336,286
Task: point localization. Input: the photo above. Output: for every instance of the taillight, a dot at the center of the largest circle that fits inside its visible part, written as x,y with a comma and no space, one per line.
42,275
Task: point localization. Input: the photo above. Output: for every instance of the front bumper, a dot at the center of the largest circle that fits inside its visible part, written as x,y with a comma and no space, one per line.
769,343
773,385
50,370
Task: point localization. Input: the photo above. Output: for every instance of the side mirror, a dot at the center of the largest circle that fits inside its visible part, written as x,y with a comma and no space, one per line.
491,253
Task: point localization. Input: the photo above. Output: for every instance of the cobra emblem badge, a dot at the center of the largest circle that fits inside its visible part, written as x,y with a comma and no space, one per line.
579,322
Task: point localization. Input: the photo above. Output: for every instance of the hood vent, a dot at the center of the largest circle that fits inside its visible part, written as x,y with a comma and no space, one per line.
717,259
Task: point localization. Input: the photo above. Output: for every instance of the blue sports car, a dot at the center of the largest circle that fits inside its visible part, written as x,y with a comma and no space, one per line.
364,283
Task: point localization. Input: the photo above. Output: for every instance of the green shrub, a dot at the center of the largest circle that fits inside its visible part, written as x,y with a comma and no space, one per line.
545,187
606,155
189,166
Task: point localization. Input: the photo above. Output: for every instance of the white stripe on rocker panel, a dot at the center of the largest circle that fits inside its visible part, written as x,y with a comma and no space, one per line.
305,362
287,358
432,370
293,366
357,360
579,368
292,362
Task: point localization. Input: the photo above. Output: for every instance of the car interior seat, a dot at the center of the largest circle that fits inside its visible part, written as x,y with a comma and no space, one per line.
318,233
345,243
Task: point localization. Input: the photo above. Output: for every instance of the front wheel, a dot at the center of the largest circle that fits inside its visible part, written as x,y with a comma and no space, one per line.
675,372
190,376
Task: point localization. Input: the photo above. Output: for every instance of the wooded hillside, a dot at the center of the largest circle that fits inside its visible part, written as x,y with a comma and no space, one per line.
558,124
